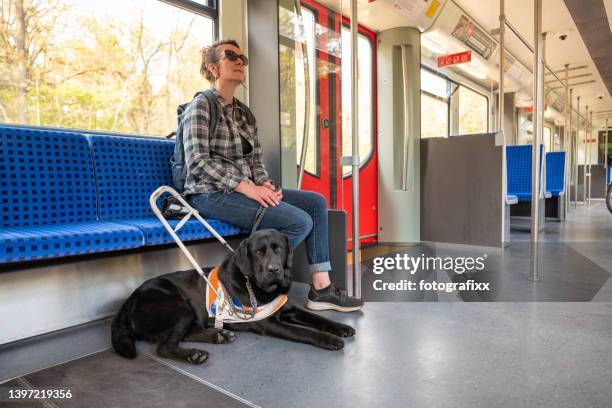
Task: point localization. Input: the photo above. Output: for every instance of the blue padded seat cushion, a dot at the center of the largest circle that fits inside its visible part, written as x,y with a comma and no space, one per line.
128,170
518,167
46,177
155,233
19,243
555,173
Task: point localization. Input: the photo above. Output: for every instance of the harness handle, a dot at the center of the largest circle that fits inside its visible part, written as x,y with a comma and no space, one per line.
193,212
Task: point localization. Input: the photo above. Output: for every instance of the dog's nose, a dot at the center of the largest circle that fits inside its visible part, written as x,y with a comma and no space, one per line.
273,268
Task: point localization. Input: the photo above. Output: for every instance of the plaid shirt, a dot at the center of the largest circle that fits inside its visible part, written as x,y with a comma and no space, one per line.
217,162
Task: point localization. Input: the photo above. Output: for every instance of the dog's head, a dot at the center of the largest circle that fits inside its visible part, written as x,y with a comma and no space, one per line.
265,257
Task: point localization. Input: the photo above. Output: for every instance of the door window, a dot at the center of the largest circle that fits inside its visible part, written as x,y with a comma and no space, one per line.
365,87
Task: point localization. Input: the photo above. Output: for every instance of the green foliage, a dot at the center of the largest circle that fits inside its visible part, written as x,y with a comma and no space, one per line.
97,73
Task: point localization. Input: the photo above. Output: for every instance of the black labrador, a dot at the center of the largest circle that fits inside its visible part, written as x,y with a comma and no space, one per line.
172,307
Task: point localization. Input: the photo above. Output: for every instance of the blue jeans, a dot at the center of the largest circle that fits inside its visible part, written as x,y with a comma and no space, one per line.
300,215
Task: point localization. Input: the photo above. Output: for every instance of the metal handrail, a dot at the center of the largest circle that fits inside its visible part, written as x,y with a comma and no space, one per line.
298,9
407,146
530,48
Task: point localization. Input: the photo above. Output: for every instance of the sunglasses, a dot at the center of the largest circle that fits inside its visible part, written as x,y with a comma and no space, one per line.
232,56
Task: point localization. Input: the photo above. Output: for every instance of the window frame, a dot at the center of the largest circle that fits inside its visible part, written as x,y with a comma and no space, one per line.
210,9
371,153
449,83
366,158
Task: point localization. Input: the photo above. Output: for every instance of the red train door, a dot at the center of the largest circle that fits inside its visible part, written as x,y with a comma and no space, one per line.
331,116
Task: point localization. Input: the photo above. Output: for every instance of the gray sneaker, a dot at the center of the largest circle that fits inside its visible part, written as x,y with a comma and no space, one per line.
332,298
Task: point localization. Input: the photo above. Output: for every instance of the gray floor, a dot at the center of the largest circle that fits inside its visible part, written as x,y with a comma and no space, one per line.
404,354
574,264
584,224
417,354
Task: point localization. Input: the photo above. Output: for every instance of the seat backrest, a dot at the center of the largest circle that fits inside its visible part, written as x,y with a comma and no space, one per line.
518,166
518,163
46,177
555,171
128,170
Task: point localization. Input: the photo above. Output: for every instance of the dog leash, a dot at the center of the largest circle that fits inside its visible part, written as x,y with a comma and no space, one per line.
261,211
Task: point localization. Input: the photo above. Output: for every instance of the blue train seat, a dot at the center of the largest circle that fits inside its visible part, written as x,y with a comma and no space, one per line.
128,170
518,167
48,198
555,173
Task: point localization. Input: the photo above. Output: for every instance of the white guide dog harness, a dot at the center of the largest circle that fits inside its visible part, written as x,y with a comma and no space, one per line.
218,308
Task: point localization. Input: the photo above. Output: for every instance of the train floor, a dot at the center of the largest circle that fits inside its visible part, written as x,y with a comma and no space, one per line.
441,351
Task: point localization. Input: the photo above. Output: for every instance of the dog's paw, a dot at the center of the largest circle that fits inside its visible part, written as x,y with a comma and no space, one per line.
197,356
224,336
330,342
341,330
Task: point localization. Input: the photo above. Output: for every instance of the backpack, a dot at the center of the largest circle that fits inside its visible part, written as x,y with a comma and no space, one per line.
177,161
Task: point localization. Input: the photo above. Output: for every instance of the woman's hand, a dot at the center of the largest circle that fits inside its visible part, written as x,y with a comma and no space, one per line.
264,195
272,187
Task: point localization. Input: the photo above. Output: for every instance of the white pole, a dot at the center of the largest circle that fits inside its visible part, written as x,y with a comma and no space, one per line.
606,157
576,149
500,113
538,116
569,149
355,141
584,165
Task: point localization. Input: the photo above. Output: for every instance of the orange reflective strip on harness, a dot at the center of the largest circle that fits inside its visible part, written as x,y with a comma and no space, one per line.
212,304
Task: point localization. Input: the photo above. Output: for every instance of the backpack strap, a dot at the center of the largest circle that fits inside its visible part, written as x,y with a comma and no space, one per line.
212,104
177,161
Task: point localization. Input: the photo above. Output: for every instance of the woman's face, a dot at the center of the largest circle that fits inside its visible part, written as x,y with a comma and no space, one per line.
228,70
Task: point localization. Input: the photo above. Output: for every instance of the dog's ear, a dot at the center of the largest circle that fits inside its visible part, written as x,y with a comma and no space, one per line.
288,253
241,258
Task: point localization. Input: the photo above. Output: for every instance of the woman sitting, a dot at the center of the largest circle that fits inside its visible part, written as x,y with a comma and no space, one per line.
227,180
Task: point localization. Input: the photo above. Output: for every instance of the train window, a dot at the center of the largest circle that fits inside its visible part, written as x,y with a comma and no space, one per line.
434,105
547,139
293,32
434,116
112,66
525,127
472,111
434,84
366,97
448,108
308,20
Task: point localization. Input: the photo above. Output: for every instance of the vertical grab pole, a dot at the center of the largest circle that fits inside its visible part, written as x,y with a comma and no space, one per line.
500,90
355,141
500,113
589,156
576,150
567,145
606,157
537,135
584,173
542,165
566,110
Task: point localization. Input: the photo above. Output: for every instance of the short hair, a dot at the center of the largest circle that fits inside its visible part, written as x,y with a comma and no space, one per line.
211,56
